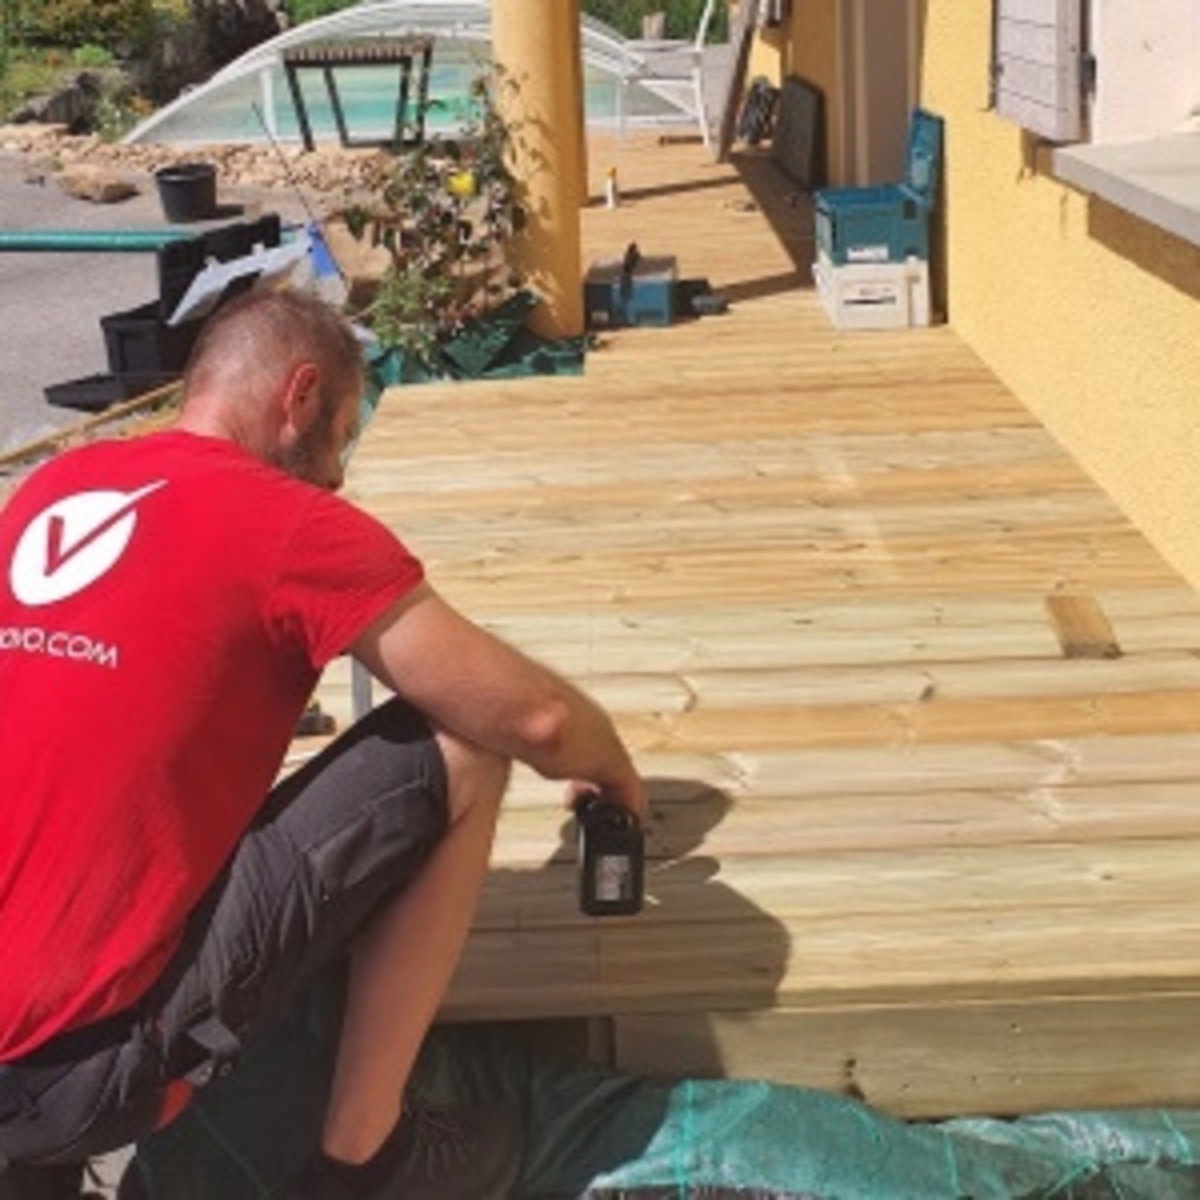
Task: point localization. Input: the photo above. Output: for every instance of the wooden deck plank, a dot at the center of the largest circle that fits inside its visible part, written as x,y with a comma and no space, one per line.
757,959
856,885
920,1061
832,587
704,821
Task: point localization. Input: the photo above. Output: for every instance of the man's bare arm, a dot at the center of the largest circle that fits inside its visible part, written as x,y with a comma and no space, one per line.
479,688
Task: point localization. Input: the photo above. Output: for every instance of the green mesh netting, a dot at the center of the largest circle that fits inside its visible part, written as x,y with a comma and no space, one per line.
591,1133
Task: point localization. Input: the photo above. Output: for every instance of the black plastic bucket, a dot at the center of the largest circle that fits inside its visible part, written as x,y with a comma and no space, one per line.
188,191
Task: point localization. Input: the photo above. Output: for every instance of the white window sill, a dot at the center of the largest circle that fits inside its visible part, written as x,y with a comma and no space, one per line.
1157,179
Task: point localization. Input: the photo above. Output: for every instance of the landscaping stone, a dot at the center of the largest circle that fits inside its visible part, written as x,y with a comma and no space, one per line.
325,176
97,183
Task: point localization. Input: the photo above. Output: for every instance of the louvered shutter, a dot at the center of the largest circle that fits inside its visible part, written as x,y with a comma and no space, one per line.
1037,65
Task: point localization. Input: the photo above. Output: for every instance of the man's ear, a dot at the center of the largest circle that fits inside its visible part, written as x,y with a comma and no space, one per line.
301,398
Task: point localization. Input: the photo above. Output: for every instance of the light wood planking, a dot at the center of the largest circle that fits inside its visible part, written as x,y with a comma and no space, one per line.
833,587
922,1060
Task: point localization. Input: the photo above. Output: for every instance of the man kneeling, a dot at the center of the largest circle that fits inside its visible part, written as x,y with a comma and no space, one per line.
167,605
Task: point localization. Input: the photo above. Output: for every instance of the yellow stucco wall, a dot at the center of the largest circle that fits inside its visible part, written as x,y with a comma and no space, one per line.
767,57
1090,315
807,47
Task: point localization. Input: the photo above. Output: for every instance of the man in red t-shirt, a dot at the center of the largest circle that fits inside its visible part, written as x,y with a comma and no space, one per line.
166,607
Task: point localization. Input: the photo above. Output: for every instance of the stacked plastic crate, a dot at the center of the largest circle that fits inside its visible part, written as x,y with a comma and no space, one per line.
146,349
872,268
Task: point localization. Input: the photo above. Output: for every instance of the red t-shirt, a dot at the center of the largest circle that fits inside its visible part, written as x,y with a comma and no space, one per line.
166,606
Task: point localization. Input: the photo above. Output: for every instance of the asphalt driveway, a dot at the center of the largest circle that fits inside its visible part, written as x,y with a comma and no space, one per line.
51,302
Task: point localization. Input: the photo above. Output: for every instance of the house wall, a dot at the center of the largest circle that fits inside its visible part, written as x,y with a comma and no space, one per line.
768,56
884,92
812,53
1153,50
808,46
1090,315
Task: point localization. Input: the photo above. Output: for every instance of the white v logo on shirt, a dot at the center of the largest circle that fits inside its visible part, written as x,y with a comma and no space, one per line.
74,542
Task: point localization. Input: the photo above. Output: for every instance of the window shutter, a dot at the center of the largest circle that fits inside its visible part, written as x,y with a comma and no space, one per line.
1036,71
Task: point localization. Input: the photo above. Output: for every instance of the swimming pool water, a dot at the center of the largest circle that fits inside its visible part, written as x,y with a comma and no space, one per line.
245,107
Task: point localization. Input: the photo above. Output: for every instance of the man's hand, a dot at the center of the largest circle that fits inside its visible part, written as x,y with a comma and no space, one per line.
632,797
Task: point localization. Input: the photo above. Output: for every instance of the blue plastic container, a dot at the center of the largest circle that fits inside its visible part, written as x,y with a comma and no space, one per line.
888,223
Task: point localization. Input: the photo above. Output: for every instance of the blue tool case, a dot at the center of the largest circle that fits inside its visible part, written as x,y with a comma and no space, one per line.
888,223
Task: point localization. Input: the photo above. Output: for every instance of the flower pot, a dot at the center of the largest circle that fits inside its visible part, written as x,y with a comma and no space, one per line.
188,191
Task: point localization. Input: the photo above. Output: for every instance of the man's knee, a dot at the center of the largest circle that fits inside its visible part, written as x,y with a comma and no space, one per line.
475,777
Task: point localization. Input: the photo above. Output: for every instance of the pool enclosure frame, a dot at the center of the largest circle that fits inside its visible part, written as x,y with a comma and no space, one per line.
604,50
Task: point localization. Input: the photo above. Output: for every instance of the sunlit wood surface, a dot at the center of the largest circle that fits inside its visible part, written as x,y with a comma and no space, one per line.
919,707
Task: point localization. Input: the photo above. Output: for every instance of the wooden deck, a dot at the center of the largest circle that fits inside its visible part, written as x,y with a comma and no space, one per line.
919,708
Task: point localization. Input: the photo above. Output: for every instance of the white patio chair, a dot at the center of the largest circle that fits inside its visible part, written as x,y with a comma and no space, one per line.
675,70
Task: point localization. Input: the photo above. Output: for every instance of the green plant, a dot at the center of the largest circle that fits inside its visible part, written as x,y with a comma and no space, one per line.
13,21
24,75
173,58
91,55
122,26
11,39
445,212
309,10
682,16
118,109
409,311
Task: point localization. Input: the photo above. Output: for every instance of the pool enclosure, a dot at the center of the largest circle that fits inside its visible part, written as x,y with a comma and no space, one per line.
249,100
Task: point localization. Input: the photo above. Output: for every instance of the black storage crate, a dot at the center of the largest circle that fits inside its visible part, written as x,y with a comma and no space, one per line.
95,393
180,262
140,342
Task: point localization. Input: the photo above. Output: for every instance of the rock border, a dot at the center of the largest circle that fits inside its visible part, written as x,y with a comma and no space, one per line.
326,178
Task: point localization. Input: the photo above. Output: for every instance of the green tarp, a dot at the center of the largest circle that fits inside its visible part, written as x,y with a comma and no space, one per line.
495,346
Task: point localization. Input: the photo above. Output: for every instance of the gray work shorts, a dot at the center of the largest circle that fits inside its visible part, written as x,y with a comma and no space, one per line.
334,841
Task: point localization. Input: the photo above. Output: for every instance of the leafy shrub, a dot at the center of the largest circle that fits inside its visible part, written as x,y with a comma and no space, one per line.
118,110
175,56
623,15
683,16
121,26
22,76
309,10
445,212
91,55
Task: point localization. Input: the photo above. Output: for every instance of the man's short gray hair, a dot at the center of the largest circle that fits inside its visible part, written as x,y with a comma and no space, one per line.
261,336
